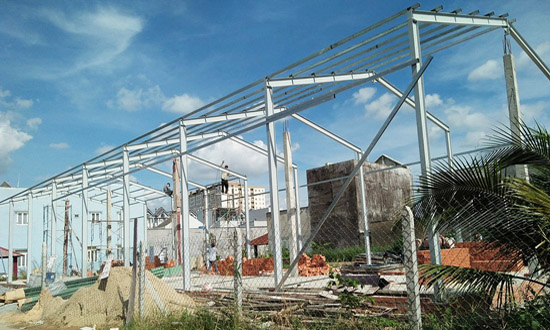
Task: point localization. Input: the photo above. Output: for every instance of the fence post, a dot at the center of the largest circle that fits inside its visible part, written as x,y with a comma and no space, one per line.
141,281
411,269
237,268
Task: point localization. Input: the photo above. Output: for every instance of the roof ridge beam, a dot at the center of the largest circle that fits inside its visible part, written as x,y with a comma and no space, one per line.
457,19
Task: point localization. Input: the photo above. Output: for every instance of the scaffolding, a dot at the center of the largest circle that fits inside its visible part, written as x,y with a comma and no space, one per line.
405,41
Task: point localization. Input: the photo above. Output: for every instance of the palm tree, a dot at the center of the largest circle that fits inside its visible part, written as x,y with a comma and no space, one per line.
478,196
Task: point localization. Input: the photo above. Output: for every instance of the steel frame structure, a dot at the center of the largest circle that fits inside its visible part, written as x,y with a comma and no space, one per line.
403,40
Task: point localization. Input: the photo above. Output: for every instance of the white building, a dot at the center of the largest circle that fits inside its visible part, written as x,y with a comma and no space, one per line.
233,200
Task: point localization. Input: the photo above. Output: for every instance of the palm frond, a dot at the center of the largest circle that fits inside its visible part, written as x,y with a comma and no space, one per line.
459,280
531,147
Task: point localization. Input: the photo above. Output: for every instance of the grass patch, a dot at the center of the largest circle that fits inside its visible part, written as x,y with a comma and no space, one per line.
209,320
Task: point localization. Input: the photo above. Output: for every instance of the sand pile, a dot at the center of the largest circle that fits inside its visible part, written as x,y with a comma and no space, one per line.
102,304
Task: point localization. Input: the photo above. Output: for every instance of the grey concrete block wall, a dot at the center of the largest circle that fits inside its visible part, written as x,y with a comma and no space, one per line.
386,193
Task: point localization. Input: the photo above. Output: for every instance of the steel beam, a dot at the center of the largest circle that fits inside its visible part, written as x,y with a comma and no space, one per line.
457,19
410,102
326,132
212,165
254,147
529,51
322,79
224,117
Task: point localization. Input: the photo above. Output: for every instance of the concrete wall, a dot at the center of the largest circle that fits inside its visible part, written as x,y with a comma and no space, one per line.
386,193
285,227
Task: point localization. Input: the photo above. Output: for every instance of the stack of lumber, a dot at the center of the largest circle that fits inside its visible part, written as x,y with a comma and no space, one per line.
310,305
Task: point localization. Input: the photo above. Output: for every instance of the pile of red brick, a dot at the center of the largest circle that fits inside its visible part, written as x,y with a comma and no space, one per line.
313,266
225,266
478,255
156,263
257,266
251,267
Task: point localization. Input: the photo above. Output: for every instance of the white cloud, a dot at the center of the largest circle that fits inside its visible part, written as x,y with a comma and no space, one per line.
12,140
464,118
97,37
487,71
182,104
103,148
60,145
17,103
239,158
381,107
33,123
363,95
137,99
543,50
533,111
295,146
4,93
474,138
22,103
432,101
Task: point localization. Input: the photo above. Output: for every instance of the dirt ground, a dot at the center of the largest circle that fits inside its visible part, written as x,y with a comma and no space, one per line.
4,325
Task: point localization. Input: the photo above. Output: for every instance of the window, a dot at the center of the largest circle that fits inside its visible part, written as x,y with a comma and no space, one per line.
95,216
22,218
22,260
92,254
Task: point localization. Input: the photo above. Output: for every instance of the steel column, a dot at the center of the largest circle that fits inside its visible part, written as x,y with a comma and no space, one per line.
10,243
84,217
206,219
273,188
247,217
145,214
53,219
298,217
422,127
364,218
185,237
109,207
126,205
29,236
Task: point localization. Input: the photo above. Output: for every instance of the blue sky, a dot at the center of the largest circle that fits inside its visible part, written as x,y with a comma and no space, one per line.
80,79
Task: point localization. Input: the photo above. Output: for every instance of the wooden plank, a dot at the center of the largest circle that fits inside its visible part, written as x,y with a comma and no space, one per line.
14,295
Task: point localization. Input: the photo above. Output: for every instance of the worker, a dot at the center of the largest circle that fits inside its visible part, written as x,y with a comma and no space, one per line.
167,189
225,176
213,257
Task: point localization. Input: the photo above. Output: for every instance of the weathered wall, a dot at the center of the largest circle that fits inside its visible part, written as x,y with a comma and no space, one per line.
341,228
386,192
